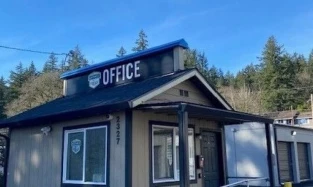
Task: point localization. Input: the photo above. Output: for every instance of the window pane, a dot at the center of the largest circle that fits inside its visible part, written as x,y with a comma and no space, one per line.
95,155
163,153
191,153
191,147
75,149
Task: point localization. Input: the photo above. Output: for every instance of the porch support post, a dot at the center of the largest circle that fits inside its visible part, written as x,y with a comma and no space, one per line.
269,153
183,146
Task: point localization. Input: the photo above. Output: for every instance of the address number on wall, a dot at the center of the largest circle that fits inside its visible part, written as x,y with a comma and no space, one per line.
118,130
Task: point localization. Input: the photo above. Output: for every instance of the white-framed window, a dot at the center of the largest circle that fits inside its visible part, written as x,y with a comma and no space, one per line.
85,155
165,154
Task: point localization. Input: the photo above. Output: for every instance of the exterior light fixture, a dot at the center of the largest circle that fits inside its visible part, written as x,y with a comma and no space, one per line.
293,133
46,130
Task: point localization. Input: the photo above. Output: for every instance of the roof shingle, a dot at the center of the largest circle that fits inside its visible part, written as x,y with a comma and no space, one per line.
83,105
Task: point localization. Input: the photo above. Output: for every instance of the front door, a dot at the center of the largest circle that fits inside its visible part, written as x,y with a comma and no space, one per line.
210,151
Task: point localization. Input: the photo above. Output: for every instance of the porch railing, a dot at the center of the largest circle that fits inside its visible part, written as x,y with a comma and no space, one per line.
246,182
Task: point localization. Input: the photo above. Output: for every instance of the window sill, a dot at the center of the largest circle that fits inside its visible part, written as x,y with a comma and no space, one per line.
82,185
194,181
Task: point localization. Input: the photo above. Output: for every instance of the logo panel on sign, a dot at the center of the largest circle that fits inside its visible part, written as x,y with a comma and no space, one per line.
94,79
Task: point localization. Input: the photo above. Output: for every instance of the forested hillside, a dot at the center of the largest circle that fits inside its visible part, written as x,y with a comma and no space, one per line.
278,81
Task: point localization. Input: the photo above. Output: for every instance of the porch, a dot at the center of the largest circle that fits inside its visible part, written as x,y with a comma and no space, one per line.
187,111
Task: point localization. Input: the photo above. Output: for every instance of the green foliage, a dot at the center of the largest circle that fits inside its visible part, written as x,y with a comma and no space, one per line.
3,97
278,77
141,42
16,80
76,60
196,59
30,72
121,52
280,81
51,65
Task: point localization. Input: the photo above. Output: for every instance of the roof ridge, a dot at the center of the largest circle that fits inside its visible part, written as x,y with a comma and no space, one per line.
152,50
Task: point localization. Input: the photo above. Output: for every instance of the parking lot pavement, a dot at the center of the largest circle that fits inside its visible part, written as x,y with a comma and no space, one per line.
305,184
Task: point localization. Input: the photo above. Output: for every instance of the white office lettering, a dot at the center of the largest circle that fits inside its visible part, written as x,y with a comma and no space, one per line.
123,72
106,77
112,74
137,69
129,73
118,72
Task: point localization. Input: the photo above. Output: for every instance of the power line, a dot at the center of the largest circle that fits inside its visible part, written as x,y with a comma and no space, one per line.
32,51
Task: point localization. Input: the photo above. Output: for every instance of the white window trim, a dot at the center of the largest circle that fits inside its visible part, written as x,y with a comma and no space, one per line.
64,169
176,175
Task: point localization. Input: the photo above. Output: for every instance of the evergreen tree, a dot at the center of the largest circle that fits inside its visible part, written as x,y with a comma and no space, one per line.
51,64
299,62
278,75
76,59
190,58
30,72
221,79
121,52
229,79
201,63
141,42
310,64
3,93
213,76
249,78
16,80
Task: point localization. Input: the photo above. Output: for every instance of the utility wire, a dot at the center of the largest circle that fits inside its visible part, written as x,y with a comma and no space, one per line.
32,51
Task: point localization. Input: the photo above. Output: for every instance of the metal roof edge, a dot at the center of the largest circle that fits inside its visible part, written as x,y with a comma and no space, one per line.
65,116
177,43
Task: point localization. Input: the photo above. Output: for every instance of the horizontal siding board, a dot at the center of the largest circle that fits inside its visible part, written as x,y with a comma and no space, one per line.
173,95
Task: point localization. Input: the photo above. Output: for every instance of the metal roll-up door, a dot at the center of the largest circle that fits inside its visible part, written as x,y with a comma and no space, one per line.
303,159
284,161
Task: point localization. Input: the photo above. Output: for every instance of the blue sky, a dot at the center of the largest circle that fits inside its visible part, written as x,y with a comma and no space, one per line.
231,33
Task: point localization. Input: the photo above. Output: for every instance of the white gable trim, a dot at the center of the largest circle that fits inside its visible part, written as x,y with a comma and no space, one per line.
140,100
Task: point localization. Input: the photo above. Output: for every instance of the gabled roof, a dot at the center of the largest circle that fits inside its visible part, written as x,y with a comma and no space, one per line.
153,50
111,99
84,105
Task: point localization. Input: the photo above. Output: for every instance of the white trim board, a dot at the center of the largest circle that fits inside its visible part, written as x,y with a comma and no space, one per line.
140,100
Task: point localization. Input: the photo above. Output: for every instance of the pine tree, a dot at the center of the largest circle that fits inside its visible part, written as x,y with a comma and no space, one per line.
76,59
30,72
51,64
141,42
213,76
310,64
190,58
121,52
278,77
3,94
221,81
229,79
16,80
202,63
